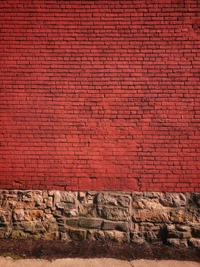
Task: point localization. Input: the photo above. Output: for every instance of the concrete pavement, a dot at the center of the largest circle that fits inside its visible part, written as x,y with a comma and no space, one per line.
8,262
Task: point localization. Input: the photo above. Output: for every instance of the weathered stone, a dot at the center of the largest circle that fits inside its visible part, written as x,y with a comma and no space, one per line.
150,204
56,197
65,236
178,234
102,215
51,236
173,200
49,202
35,215
95,235
18,234
179,216
86,206
114,200
71,212
82,195
77,234
18,215
157,216
72,222
194,242
90,223
119,226
87,210
116,236
137,238
151,195
5,216
113,213
196,198
177,242
68,197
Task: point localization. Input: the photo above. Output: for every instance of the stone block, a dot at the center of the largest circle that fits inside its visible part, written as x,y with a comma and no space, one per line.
180,216
173,200
95,235
116,236
90,223
68,197
119,226
77,234
177,242
114,213
194,242
157,216
112,199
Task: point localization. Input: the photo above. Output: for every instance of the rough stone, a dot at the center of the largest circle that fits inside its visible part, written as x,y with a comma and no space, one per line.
196,198
18,214
68,197
114,200
119,226
173,200
95,235
137,217
196,231
90,223
179,216
77,234
157,216
113,213
194,242
35,215
116,236
177,242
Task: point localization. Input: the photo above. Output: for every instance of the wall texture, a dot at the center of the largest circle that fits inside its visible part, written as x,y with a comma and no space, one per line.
100,95
137,217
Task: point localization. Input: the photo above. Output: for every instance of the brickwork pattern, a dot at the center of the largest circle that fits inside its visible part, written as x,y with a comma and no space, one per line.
100,95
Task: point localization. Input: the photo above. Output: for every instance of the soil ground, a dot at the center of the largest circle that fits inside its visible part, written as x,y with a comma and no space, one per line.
51,250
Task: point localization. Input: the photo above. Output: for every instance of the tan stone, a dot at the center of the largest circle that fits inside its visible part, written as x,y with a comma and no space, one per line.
157,216
35,215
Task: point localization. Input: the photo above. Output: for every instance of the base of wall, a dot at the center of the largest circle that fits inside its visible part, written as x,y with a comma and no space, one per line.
170,218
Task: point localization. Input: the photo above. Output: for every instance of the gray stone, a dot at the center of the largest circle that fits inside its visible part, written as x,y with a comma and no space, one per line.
72,222
68,197
113,213
112,199
90,223
119,226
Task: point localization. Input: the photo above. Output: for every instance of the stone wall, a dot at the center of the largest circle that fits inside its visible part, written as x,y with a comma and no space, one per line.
170,218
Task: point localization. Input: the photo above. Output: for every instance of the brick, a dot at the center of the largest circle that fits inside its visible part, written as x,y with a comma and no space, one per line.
94,98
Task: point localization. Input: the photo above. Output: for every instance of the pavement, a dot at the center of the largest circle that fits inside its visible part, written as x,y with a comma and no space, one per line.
9,262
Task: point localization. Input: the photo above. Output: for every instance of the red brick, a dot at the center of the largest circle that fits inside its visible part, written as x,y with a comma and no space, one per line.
90,88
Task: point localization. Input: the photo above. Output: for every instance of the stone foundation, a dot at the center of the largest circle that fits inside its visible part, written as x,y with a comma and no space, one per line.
170,218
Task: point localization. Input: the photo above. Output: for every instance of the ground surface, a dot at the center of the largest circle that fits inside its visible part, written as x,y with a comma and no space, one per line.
51,250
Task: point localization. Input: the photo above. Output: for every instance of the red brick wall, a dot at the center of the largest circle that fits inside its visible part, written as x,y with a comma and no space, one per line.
100,95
